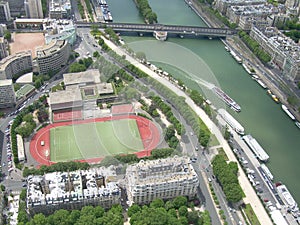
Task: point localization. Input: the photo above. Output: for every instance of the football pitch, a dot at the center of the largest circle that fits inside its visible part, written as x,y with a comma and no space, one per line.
94,140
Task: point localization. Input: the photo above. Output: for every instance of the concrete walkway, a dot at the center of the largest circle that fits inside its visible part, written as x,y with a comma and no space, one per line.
251,196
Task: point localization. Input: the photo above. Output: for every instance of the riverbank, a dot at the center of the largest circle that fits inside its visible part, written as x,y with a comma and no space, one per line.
238,46
251,196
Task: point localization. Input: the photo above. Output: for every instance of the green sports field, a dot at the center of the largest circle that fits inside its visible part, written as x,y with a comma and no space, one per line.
94,140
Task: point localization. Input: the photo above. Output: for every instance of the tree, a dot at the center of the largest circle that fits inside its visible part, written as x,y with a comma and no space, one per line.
76,67
157,203
38,219
141,56
183,211
42,115
179,201
7,35
133,210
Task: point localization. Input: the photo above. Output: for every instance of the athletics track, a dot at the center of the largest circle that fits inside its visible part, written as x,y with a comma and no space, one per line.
149,132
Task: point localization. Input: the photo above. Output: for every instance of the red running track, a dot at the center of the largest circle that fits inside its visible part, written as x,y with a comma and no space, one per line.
149,132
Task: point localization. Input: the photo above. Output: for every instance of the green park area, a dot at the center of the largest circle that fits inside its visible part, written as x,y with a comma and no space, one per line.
94,140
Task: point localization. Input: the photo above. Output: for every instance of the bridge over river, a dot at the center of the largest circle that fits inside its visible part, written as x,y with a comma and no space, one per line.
182,31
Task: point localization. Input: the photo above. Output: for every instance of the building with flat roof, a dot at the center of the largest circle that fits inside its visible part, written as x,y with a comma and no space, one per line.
3,28
33,9
163,178
4,11
53,57
7,94
15,64
223,5
72,190
84,78
66,100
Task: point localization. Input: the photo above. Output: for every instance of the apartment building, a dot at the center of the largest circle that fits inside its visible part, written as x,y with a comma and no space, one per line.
7,94
53,57
16,64
284,51
72,190
163,178
3,28
33,9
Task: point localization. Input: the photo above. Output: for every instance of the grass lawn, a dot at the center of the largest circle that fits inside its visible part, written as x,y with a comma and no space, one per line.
93,140
251,215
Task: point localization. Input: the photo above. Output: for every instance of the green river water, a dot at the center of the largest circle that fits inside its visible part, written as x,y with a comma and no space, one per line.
201,63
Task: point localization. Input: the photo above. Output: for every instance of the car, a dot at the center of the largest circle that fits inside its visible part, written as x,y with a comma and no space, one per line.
209,180
3,164
196,148
24,185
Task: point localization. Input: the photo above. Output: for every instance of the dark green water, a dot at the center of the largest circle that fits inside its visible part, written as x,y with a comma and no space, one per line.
195,60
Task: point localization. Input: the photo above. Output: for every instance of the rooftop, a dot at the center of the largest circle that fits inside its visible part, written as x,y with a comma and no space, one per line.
160,171
8,59
59,187
26,78
6,82
24,90
50,49
105,88
86,77
65,96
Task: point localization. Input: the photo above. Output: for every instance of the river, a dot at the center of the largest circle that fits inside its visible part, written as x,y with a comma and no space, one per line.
202,63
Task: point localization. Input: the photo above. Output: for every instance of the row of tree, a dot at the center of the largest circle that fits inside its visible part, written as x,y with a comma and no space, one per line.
132,158
57,167
172,212
87,215
146,11
255,47
226,174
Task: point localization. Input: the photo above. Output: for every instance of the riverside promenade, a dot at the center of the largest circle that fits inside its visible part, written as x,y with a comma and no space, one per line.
251,196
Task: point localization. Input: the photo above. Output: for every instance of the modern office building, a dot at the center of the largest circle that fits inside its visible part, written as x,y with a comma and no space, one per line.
16,64
163,178
7,94
4,11
53,57
33,9
72,190
60,9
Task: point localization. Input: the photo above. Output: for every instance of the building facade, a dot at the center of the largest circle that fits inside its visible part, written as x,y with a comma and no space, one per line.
33,9
53,57
16,64
4,11
7,94
284,51
72,190
163,178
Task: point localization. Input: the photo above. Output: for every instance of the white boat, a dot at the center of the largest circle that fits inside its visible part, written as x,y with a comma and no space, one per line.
236,57
160,35
287,111
297,124
267,171
287,198
248,70
258,151
261,83
231,121
227,49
